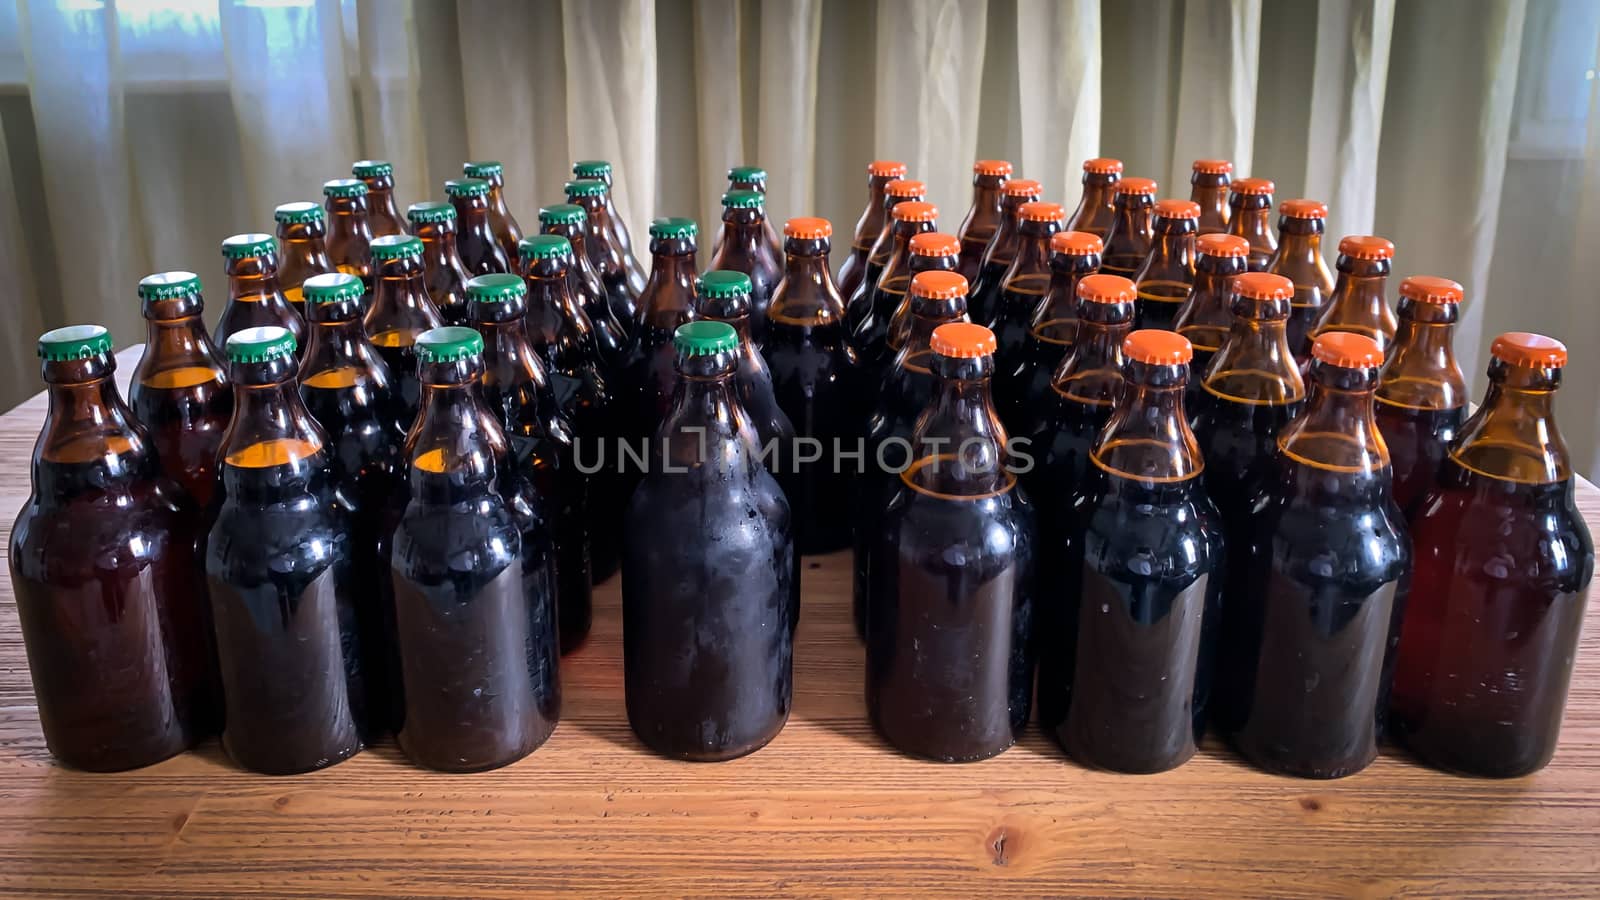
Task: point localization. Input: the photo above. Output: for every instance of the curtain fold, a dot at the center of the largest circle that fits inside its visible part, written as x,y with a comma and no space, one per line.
719,40
1216,88
791,32
1058,80
391,99
1347,91
611,96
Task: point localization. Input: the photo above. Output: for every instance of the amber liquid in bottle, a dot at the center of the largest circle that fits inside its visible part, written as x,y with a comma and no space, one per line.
1250,217
666,303
861,301
400,311
444,274
983,217
302,234
869,226
1167,273
1022,293
1299,259
1422,394
745,249
254,294
984,293
1097,205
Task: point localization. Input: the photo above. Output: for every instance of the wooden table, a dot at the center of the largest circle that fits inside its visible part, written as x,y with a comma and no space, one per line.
827,808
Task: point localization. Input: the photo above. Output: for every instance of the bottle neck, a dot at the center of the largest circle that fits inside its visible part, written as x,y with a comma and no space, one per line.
807,295
549,301
669,291
1299,254
87,425
337,341
705,428
870,224
472,216
743,237
438,244
959,444
1252,218
1033,250
347,218
1147,439
400,297
1131,227
1255,364
1061,301
270,430
984,216
899,263
1359,301
1211,192
1513,436
1205,318
1171,251
176,342
253,278
926,315
1338,432
1421,370
1092,374
455,447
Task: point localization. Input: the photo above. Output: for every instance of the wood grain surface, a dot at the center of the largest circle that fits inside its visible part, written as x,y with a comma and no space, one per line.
826,809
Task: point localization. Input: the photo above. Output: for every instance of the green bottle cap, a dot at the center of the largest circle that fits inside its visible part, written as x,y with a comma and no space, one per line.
466,187
396,246
721,284
344,187
448,344
169,286
242,246
332,287
562,214
372,168
74,342
591,168
586,187
301,212
263,343
744,200
496,287
673,227
484,168
704,338
431,212
748,174
544,246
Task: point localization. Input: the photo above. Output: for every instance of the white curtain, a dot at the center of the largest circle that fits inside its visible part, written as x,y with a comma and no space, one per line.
144,131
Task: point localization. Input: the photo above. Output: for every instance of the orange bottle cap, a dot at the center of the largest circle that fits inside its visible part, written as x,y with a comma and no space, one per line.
914,211
961,340
886,168
939,285
808,228
1137,186
1173,208
1366,246
1524,348
1040,211
1432,289
1213,166
1303,209
1023,187
1253,186
1224,246
906,187
991,167
1347,349
1103,165
1099,288
1262,285
1076,243
935,243
1156,347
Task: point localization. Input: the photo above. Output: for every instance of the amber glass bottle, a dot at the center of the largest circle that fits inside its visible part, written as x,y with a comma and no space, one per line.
349,228
383,214
871,336
859,302
937,298
434,224
292,678
742,247
1208,186
611,336
1299,258
666,303
1126,639
612,228
400,311
1422,394
1097,206
1167,273
726,296
502,224
817,382
983,217
476,241
107,576
1249,217
254,295
1359,302
709,566
1022,293
930,251
1207,313
949,613
1030,369
518,391
985,289
1308,640
302,228
477,648
1129,239
754,180
605,252
1504,561
179,390
870,225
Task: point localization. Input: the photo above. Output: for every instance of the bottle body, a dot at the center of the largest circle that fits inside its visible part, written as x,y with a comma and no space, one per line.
180,393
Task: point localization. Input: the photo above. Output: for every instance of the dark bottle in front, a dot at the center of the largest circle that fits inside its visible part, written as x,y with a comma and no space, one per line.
255,297
817,383
443,272
1308,642
1208,186
985,289
1167,274
743,247
400,311
1127,636
1422,394
983,216
1051,331
179,391
302,244
870,225
1206,315
1022,291
1301,224
860,301
666,302
105,566
383,214
949,605
349,227
518,391
1129,238
1250,217
278,563
502,224
709,604
478,649
1503,564
476,241
1097,205
611,261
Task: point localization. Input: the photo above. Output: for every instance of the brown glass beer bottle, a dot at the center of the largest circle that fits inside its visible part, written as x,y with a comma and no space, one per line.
1249,209
860,301
1097,205
434,224
931,251
477,243
742,247
383,214
1422,395
614,229
254,295
754,180
301,229
502,224
400,311
983,217
666,303
871,224
1299,259
1207,313
1022,291
1167,274
888,294
1002,249
1130,236
349,230
610,262
1359,302
1208,186
1073,255
611,336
